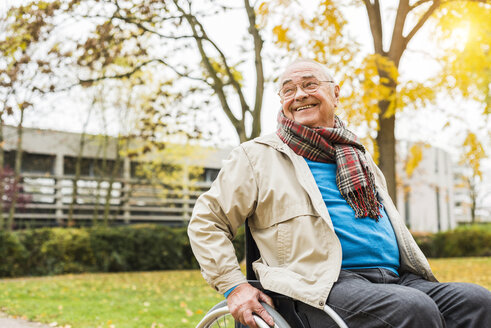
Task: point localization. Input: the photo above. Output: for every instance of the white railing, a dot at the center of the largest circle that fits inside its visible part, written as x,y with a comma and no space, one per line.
49,200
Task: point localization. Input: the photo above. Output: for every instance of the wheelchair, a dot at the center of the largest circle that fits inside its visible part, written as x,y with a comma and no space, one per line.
219,315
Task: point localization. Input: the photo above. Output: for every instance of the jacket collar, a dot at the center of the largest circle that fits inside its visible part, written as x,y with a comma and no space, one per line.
272,140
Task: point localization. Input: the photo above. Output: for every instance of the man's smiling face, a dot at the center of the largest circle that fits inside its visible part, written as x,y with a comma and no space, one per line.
314,109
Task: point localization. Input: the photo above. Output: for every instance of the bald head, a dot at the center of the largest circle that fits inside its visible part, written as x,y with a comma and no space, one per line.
324,72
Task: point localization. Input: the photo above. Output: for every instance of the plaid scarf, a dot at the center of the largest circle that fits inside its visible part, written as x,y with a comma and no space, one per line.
353,176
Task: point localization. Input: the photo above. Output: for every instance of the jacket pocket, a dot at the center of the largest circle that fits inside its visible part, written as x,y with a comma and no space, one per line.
283,237
268,216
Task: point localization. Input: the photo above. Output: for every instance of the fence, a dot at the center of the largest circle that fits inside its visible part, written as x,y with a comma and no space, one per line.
49,200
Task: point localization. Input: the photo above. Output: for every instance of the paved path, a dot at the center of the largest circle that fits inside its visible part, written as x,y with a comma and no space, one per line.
6,322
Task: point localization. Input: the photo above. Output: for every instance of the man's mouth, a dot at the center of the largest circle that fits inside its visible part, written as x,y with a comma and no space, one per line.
304,107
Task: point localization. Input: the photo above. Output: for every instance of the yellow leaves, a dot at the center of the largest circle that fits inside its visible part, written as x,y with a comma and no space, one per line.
263,9
314,34
414,158
226,74
473,154
373,82
464,31
414,95
281,37
262,14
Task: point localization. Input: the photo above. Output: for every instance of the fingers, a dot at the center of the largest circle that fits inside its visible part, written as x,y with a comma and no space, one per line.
266,299
243,301
261,311
248,316
248,319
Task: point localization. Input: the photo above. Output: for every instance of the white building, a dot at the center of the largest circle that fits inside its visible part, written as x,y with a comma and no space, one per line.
425,199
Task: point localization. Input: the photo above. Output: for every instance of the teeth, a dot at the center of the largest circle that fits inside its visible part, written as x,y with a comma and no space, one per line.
304,107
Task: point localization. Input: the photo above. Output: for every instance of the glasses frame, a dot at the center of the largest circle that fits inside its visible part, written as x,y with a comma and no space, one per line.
297,85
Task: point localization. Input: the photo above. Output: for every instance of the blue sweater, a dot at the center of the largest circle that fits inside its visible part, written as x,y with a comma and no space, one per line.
365,243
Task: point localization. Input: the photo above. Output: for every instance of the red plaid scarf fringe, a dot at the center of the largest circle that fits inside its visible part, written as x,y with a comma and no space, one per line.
354,178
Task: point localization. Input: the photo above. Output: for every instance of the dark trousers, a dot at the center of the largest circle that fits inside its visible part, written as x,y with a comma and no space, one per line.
379,298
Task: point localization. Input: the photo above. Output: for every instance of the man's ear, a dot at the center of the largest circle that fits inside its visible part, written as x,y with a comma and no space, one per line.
336,91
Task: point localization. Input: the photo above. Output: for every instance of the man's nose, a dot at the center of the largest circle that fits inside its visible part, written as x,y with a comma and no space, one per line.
300,93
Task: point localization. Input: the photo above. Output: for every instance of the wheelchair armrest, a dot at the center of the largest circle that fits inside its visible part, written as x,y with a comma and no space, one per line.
256,284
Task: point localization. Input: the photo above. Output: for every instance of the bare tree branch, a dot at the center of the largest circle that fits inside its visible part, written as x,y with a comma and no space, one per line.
233,81
138,24
373,11
128,74
418,3
397,44
218,84
258,45
422,20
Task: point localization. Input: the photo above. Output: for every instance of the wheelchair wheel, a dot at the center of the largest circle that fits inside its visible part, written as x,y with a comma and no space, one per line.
220,317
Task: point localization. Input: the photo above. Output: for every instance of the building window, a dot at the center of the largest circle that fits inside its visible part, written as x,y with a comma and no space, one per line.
31,163
37,163
91,167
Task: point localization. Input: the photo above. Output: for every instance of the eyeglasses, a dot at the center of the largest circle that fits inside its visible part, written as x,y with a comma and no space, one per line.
308,86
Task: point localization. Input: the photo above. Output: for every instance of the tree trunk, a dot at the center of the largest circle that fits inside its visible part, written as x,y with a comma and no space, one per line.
112,177
2,177
78,165
18,165
387,145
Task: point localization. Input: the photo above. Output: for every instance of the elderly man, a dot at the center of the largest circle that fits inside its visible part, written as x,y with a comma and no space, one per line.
324,223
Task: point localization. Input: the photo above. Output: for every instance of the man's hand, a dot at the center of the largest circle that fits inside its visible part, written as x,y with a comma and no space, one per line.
243,301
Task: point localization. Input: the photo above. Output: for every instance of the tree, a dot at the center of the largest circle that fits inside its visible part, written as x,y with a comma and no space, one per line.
376,91
22,76
471,159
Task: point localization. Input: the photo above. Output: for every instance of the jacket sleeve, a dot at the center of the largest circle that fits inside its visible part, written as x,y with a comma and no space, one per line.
217,215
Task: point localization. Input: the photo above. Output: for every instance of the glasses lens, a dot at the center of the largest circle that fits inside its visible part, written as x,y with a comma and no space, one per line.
309,86
288,90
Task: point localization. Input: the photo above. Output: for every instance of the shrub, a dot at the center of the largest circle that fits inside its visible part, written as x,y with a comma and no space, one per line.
49,251
12,255
463,241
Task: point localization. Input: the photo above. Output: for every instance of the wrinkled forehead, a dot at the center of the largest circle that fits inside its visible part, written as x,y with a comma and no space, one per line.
303,70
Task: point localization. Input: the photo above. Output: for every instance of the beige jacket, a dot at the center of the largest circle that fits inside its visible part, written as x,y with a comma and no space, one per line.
265,180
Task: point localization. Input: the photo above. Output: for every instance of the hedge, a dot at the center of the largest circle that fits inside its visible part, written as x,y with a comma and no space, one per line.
50,251
472,240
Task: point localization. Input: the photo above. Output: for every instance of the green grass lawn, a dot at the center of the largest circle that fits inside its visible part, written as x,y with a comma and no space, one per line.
151,299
